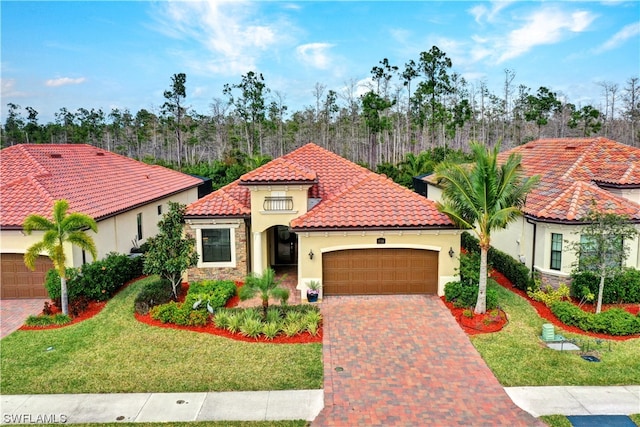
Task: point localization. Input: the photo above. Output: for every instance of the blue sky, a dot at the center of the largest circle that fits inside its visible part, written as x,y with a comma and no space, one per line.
122,54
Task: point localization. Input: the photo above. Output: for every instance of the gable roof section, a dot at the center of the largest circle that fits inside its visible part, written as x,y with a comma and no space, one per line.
573,173
96,182
351,197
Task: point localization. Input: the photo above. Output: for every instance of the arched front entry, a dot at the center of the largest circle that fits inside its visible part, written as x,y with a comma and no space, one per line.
380,271
285,246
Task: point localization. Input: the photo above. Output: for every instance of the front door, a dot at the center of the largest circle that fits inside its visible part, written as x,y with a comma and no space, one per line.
286,246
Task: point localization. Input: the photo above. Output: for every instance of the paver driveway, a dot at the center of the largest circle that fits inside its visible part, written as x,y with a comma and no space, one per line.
403,360
13,313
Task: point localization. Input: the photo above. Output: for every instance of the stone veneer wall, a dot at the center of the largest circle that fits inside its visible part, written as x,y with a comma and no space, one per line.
553,279
237,273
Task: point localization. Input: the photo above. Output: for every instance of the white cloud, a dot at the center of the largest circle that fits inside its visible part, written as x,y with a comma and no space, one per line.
629,31
8,89
233,33
315,54
481,11
64,81
546,26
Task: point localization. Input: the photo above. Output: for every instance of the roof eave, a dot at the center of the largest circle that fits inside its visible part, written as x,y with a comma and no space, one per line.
376,228
268,183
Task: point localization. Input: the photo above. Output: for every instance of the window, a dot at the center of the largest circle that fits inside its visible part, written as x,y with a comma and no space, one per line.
590,251
556,251
139,220
216,245
159,209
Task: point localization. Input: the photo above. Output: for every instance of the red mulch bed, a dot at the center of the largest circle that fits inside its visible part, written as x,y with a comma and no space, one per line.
213,330
479,323
546,313
93,308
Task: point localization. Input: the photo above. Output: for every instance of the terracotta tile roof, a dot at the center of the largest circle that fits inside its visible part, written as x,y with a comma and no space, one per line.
351,196
575,171
94,181
280,170
231,200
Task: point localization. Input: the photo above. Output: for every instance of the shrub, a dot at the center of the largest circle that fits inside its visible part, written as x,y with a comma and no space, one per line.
467,295
214,292
514,270
549,295
271,329
624,287
48,320
52,284
97,281
613,322
251,327
155,292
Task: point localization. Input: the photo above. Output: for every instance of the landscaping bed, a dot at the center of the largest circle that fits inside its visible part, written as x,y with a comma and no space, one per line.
546,313
112,352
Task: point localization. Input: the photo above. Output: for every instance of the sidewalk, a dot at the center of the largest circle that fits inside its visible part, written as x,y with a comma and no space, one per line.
577,400
162,407
277,405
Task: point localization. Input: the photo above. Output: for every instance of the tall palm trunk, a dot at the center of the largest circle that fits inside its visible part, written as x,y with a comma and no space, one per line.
64,295
481,304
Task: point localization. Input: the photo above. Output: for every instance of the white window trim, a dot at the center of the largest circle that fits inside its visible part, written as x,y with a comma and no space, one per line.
232,242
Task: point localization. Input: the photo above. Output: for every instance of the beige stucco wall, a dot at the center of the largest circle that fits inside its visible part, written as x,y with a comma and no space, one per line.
322,242
115,234
261,220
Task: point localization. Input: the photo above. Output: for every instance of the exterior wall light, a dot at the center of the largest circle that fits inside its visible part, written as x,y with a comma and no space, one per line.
311,254
451,253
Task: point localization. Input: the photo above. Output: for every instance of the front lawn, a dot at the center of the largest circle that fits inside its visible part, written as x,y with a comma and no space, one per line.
518,357
114,353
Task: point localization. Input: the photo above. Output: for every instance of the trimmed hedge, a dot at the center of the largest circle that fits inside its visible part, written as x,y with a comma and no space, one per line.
615,321
624,287
97,281
514,270
466,296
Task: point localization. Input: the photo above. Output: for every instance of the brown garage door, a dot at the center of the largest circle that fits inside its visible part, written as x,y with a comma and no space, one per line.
17,281
380,271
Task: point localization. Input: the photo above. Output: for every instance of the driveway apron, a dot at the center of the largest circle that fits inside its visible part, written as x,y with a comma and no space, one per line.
403,360
13,313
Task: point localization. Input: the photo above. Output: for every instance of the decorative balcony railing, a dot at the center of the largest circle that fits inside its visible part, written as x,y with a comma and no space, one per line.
272,204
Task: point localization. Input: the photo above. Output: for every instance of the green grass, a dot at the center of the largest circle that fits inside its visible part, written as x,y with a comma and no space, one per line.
114,353
518,357
562,421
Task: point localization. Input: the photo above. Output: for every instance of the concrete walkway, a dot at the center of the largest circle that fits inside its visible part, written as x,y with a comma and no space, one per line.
278,405
162,407
574,400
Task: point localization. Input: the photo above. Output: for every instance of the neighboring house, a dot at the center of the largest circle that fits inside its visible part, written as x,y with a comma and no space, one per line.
354,231
127,199
574,172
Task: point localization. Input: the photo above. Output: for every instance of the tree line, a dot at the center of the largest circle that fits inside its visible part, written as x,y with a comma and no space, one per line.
406,110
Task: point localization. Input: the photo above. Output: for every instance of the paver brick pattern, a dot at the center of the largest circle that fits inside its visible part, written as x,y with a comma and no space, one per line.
13,313
404,361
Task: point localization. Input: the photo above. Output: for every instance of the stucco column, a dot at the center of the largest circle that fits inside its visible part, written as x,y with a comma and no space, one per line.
257,252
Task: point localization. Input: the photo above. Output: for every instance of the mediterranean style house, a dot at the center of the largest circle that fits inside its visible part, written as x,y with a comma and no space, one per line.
126,198
352,230
575,173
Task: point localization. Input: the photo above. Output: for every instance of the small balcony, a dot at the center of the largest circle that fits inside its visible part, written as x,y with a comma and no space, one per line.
278,204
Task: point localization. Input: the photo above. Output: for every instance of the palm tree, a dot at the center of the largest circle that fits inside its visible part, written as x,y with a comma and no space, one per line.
63,228
483,197
266,285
